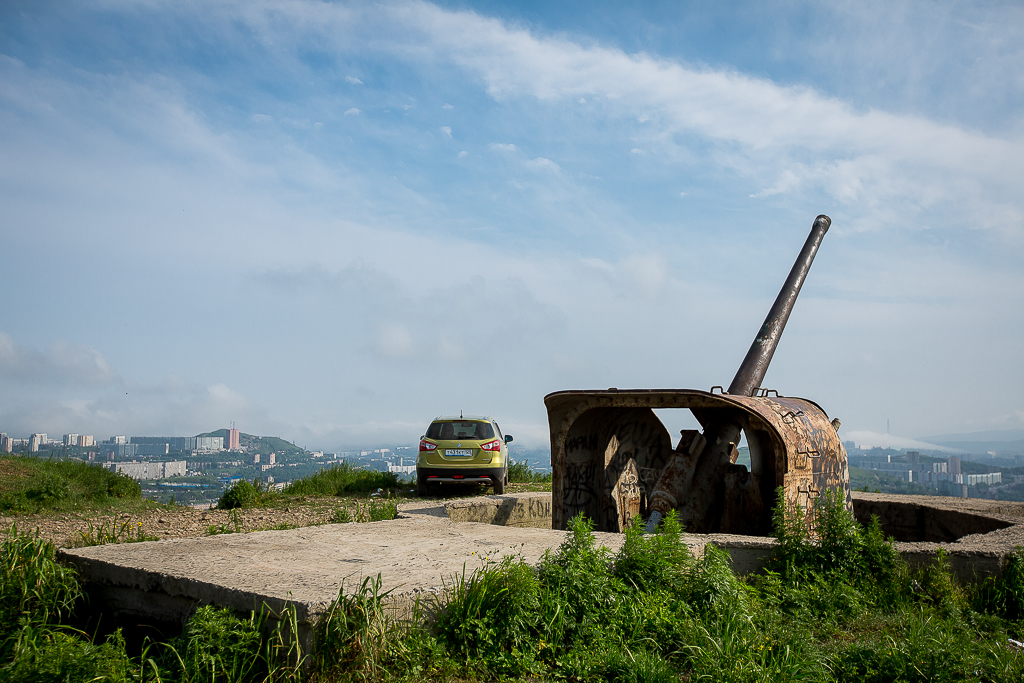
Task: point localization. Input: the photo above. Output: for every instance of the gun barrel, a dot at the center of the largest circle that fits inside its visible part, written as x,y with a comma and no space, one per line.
755,364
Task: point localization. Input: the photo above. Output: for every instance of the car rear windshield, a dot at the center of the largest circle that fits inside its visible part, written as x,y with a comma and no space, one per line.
457,429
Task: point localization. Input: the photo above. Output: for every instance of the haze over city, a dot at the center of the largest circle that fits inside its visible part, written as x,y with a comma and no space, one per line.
332,222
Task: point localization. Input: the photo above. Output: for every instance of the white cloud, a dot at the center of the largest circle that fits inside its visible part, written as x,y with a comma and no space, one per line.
647,272
463,154
352,111
262,118
541,164
772,128
636,150
447,106
503,147
353,80
395,341
61,363
446,130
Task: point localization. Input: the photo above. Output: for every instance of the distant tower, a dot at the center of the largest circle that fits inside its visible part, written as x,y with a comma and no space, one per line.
233,438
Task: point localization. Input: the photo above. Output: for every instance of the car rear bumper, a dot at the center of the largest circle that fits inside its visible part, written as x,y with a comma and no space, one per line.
450,475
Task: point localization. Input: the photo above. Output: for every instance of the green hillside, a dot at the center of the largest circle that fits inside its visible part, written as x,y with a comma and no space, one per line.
263,445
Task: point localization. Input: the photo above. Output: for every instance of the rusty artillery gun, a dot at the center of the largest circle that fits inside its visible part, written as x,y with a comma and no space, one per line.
612,458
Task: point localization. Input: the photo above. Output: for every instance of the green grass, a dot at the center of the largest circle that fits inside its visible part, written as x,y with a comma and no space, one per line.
340,479
113,532
374,510
520,472
337,480
31,485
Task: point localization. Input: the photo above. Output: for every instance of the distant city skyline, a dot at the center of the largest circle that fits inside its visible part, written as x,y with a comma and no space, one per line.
335,221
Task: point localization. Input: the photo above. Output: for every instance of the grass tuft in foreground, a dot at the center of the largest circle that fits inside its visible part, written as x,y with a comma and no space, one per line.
113,532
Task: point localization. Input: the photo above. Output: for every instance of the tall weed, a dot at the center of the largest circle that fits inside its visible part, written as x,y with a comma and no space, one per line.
34,588
1003,595
660,561
841,552
491,614
112,532
355,637
578,586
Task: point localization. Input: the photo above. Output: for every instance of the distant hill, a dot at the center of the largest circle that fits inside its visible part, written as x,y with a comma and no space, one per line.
991,435
1001,441
258,444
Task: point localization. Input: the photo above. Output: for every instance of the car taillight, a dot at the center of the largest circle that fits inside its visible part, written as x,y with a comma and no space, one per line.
427,446
491,446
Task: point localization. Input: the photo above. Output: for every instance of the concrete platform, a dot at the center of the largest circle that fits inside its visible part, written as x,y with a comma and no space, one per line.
163,581
430,543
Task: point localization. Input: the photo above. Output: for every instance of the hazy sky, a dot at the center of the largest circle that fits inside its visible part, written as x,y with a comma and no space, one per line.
333,221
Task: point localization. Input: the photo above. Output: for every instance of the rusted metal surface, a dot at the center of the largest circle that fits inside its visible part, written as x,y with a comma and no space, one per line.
613,460
755,364
609,453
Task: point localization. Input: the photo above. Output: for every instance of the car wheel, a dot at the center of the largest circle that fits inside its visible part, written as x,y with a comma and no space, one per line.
499,485
422,488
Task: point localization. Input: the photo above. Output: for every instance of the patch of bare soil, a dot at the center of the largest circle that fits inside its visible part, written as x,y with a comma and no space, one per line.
66,529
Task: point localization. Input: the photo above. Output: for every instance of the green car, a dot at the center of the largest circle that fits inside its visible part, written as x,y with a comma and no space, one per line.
462,450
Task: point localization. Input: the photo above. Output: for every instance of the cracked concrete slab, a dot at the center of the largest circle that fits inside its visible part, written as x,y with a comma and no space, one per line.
414,555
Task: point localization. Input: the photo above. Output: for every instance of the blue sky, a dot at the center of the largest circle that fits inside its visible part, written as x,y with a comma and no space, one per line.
333,221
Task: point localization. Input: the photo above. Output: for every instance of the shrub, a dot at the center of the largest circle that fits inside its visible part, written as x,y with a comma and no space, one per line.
216,646
843,552
122,486
937,586
48,488
578,587
244,495
653,562
41,653
341,478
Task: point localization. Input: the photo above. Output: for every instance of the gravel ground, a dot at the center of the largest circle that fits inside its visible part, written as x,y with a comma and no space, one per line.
66,530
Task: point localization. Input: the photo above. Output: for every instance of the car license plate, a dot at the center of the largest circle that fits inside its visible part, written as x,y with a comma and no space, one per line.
458,451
